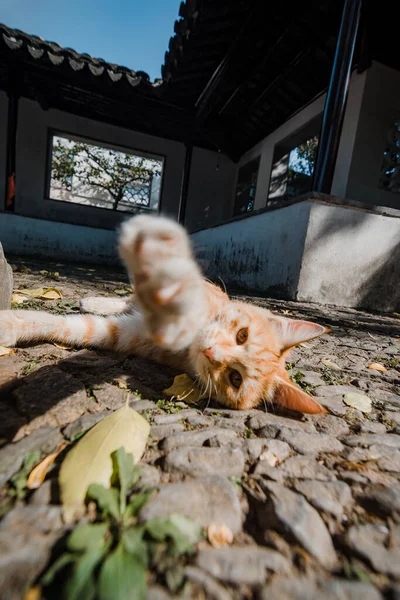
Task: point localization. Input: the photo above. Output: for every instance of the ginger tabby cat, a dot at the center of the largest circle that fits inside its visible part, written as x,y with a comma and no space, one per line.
237,350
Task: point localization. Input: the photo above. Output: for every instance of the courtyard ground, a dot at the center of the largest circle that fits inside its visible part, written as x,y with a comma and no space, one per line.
313,502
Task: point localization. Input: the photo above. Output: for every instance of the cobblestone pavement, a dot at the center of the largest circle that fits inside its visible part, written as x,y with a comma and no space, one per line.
313,502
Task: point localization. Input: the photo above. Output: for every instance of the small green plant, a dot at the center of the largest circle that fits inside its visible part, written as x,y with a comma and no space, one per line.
168,406
30,367
297,378
18,481
110,558
330,377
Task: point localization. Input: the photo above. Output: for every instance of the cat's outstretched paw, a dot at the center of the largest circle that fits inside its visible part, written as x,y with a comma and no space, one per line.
168,282
8,328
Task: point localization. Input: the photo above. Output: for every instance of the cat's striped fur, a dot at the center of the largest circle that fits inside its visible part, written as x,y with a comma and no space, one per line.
236,349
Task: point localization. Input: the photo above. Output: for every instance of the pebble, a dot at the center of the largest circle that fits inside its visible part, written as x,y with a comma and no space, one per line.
269,425
310,443
211,587
44,440
370,542
206,500
84,423
367,439
382,501
330,496
197,462
289,512
308,589
335,426
197,438
304,467
242,565
160,432
27,535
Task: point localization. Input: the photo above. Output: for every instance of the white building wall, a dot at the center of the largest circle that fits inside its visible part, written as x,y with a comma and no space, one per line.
380,107
351,258
260,253
3,145
266,147
212,178
34,129
57,241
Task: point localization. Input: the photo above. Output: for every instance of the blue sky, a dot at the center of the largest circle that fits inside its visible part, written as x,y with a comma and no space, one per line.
132,33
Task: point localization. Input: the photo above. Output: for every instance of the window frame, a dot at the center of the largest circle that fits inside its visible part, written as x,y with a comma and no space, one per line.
54,132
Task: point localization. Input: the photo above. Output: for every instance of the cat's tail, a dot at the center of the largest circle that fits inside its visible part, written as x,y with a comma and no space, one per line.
119,332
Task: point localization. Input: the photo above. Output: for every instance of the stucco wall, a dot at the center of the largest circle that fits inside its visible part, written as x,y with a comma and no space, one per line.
380,107
34,127
267,146
260,253
212,178
351,258
3,146
58,241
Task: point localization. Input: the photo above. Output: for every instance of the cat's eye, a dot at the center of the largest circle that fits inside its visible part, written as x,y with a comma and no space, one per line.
242,335
235,378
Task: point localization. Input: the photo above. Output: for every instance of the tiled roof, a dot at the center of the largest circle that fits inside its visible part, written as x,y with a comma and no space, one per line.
41,50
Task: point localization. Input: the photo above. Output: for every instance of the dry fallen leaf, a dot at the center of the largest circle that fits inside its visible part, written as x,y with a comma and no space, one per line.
360,401
90,461
34,593
378,367
219,535
18,298
184,388
41,293
5,351
63,346
330,364
38,474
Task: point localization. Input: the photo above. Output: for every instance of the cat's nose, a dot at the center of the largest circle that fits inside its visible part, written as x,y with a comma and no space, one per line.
209,352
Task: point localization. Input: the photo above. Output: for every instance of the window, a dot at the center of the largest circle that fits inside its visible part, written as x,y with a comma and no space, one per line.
246,187
390,172
83,172
292,171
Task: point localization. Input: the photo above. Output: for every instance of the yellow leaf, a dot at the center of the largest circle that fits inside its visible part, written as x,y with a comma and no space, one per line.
17,298
184,388
90,462
41,293
5,351
378,367
396,314
51,294
219,535
330,364
38,474
34,593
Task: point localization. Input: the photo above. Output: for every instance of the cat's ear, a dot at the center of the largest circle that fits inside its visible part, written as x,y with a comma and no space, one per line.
292,332
291,397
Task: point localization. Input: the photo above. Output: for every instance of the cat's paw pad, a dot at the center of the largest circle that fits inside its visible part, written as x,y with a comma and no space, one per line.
102,306
168,282
8,328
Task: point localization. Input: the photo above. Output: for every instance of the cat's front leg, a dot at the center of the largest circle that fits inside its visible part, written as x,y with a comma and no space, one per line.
168,283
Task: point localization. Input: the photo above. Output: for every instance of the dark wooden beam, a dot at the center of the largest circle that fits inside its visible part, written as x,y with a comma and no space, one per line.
232,62
185,182
336,98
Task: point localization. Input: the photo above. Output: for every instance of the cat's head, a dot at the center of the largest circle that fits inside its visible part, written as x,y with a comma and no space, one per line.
240,356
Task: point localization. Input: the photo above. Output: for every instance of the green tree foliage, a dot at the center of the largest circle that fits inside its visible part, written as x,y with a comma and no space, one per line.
109,170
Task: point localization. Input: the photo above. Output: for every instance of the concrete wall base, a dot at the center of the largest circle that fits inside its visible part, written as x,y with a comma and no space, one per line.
318,250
